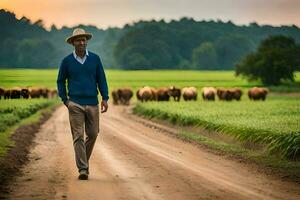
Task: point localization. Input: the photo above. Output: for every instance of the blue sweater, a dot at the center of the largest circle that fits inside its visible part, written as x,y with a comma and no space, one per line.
83,80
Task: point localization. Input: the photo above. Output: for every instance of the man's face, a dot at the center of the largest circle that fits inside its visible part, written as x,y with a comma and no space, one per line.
80,43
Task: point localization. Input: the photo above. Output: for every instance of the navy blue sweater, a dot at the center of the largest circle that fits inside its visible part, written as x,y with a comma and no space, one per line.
83,80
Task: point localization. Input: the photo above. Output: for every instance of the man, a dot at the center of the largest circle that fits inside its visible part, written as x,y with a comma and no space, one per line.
84,74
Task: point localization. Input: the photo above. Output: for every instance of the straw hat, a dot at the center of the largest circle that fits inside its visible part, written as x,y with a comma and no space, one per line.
77,33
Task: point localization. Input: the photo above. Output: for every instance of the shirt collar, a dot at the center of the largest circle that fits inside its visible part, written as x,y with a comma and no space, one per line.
86,53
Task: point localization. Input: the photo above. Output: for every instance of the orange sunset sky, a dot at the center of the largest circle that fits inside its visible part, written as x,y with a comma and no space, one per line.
112,13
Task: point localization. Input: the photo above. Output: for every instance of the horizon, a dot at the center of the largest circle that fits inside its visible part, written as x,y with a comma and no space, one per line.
105,14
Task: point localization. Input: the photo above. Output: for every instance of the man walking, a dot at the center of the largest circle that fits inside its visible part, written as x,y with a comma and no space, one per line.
84,74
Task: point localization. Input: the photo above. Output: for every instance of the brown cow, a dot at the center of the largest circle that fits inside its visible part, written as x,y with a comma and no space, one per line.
138,95
229,94
7,94
44,92
257,93
221,92
124,95
154,94
146,94
208,93
236,93
115,97
175,93
15,93
52,93
162,94
189,93
25,93
34,93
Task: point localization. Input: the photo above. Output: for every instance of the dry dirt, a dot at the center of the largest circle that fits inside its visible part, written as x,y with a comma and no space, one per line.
134,161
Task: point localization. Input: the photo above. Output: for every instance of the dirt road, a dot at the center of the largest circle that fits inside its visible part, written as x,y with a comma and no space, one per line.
134,161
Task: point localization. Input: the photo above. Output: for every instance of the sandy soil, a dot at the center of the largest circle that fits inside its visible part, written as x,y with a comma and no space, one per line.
132,160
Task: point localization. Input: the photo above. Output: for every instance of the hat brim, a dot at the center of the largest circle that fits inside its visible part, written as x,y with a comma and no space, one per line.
87,35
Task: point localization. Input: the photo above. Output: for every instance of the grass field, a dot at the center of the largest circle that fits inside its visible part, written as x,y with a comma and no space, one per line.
137,79
14,113
27,77
274,123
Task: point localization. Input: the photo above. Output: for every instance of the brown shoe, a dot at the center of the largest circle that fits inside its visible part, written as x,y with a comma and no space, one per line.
83,175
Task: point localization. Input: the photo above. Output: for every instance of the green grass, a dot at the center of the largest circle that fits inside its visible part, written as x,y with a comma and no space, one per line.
28,77
274,123
14,113
137,79
160,78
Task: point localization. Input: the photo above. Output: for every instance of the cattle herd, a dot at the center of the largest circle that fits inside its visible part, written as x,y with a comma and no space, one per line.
27,93
147,93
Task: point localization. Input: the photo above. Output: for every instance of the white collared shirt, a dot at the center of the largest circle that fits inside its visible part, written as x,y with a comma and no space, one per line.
81,60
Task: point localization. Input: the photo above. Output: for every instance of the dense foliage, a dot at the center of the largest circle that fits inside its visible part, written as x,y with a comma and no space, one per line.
276,59
188,44
184,44
27,44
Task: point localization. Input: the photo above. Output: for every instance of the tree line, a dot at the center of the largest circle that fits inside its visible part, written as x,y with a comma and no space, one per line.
178,44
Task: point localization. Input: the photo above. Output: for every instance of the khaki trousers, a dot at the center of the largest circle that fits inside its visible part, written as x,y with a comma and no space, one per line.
83,118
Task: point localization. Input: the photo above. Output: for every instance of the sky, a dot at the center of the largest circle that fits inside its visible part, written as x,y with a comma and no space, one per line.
117,13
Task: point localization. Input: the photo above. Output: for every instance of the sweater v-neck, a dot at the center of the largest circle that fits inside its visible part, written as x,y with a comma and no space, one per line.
80,62
86,54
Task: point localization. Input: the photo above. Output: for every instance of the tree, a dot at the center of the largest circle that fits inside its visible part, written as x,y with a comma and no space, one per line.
145,48
34,53
204,56
275,61
231,48
136,61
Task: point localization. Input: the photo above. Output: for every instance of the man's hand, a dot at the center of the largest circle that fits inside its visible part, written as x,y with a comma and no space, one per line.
104,106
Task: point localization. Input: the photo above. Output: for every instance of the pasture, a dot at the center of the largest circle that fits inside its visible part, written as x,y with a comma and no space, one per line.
274,122
136,79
